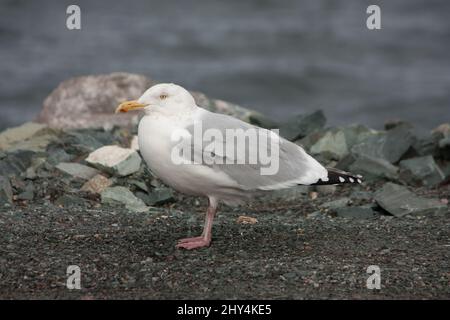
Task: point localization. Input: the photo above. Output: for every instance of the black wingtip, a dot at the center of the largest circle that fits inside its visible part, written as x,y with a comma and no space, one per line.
336,176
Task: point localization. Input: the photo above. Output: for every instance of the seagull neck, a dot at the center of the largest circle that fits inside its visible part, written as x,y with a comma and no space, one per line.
173,113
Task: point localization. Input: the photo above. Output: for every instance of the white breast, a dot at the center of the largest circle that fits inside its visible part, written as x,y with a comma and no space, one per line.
155,145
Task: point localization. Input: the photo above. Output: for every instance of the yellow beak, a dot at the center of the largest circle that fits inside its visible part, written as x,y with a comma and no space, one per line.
129,105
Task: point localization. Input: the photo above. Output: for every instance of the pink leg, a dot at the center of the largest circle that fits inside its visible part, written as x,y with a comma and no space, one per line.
205,239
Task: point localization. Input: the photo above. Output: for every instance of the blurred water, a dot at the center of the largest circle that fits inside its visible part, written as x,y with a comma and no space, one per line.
279,57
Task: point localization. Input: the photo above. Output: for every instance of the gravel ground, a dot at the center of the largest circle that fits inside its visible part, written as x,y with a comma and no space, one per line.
285,255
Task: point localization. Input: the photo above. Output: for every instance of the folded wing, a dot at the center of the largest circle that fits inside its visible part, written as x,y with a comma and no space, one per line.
291,166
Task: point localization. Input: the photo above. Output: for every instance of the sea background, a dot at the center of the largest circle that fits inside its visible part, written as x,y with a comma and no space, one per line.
279,57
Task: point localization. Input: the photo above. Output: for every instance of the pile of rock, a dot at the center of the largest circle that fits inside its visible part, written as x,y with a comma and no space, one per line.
392,160
74,166
397,153
85,155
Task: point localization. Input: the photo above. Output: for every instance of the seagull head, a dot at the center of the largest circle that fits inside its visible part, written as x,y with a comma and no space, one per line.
164,96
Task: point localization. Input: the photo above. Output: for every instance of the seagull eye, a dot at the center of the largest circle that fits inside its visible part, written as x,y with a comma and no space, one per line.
163,96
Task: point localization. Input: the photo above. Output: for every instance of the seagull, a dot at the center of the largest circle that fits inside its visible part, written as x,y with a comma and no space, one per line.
168,145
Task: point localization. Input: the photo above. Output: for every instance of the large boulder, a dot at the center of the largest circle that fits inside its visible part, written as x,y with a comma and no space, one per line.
90,102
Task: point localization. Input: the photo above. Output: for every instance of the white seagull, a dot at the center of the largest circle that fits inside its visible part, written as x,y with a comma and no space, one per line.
171,116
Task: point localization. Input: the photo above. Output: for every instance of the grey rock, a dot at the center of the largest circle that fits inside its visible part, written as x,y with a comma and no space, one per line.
421,171
35,144
121,195
77,170
68,201
374,168
428,145
36,167
442,129
17,184
399,201
361,195
332,145
6,193
81,142
390,145
398,141
302,125
16,163
332,205
370,147
444,148
310,140
355,134
261,120
444,143
143,196
363,212
392,124
28,192
445,168
115,160
26,195
441,134
100,136
140,184
345,162
315,214
160,196
57,155
335,143
157,197
11,137
435,145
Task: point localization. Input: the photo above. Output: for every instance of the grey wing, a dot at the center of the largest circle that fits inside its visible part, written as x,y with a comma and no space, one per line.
280,163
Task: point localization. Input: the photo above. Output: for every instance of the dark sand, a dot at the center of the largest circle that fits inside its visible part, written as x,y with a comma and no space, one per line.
285,255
